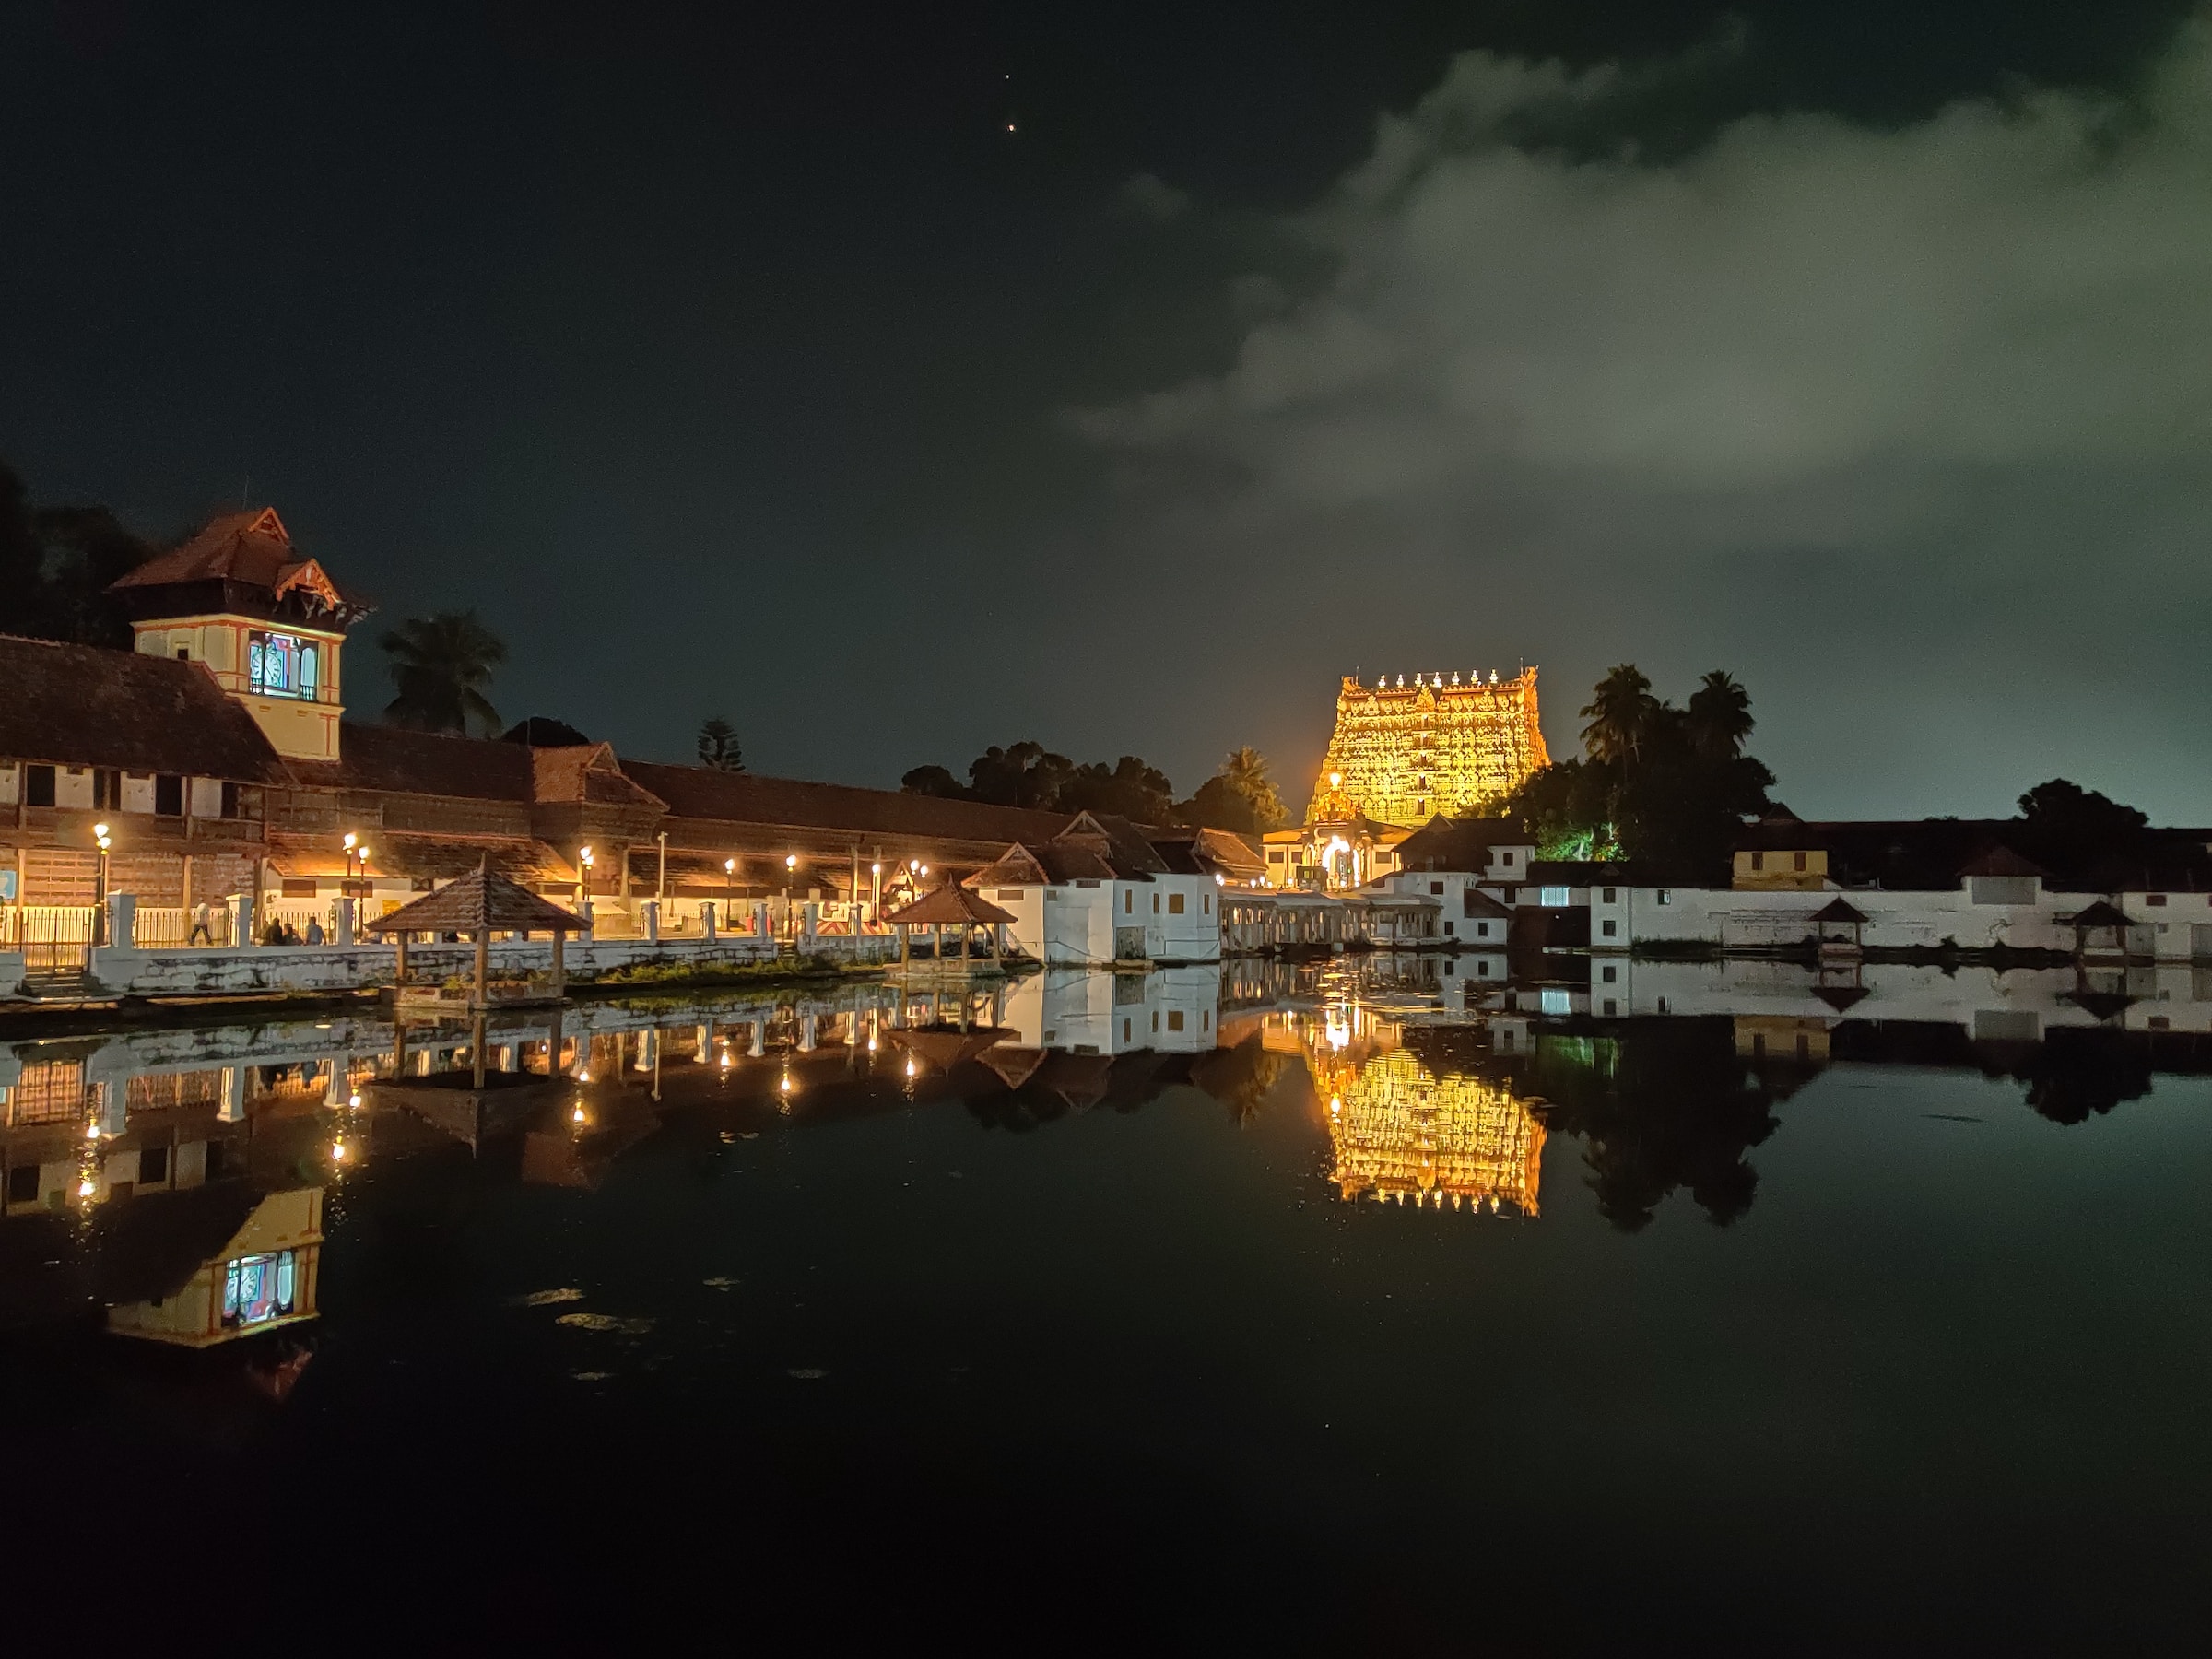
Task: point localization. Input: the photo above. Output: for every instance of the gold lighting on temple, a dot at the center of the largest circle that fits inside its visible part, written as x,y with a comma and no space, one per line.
1403,753
1406,1135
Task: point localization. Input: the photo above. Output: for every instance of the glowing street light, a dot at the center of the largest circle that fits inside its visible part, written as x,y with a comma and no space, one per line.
100,900
584,871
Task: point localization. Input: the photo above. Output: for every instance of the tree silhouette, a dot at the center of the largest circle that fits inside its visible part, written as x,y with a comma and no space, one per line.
540,731
56,565
718,745
441,664
1621,713
1720,716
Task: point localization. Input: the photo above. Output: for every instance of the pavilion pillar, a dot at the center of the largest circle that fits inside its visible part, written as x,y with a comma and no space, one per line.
963,945
904,948
561,977
475,1044
483,965
399,966
998,945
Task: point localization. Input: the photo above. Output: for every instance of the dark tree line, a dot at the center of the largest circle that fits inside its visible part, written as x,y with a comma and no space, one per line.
1240,796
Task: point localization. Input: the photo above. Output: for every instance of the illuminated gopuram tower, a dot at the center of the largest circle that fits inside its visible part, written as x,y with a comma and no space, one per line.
1407,753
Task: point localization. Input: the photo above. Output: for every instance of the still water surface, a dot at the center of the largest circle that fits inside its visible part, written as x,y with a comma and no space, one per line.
1323,1308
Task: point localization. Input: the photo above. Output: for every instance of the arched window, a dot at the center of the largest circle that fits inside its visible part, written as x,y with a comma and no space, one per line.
307,671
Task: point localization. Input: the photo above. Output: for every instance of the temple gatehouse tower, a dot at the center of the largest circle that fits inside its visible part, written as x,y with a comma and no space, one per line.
1401,752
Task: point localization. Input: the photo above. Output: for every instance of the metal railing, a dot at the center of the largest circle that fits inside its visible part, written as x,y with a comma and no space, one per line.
172,927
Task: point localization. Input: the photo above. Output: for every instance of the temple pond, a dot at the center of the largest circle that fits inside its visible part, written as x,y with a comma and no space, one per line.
1346,1307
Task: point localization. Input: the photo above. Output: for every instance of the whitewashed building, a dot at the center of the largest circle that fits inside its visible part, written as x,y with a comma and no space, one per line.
1102,893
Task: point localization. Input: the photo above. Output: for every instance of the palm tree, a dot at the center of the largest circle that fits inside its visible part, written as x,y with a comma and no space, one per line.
1621,713
1245,771
1720,716
441,664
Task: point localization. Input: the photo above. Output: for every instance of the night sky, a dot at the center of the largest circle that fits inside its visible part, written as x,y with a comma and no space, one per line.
742,360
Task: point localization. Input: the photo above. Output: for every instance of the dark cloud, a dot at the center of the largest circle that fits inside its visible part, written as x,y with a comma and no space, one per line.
1909,423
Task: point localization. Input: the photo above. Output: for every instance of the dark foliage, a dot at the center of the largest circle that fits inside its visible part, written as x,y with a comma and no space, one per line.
1028,774
934,781
542,732
440,665
1241,797
1665,786
718,746
2069,829
56,565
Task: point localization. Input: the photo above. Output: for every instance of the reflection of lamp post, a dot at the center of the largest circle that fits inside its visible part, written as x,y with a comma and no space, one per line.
100,892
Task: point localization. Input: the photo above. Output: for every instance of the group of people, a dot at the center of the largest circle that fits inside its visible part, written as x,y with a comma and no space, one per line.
284,933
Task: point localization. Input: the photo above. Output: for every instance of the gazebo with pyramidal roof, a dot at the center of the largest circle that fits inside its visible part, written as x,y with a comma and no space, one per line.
953,905
478,905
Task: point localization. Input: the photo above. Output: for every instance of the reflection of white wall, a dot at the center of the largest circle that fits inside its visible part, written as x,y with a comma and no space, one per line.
2168,996
1171,1009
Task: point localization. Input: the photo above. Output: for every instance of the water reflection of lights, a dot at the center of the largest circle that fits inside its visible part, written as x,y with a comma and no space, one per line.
576,1116
911,1070
354,1102
1339,1031
337,1151
1406,1135
92,1130
725,1059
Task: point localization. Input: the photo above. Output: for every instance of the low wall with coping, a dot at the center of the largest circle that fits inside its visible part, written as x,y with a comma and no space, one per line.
1894,920
306,969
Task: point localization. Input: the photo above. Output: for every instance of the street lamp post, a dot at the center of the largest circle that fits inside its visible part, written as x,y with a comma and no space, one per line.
584,872
791,865
729,873
99,889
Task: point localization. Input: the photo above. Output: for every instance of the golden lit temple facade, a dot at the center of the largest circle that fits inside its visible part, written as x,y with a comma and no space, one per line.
1402,754
1408,1136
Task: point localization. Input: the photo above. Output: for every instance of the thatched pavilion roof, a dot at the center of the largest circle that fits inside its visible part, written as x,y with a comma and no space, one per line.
951,905
478,899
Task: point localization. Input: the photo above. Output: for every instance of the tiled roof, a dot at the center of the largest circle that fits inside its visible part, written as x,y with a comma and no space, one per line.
951,903
396,761
1117,840
1996,859
478,899
437,857
699,792
586,772
1056,860
1459,843
251,547
82,705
